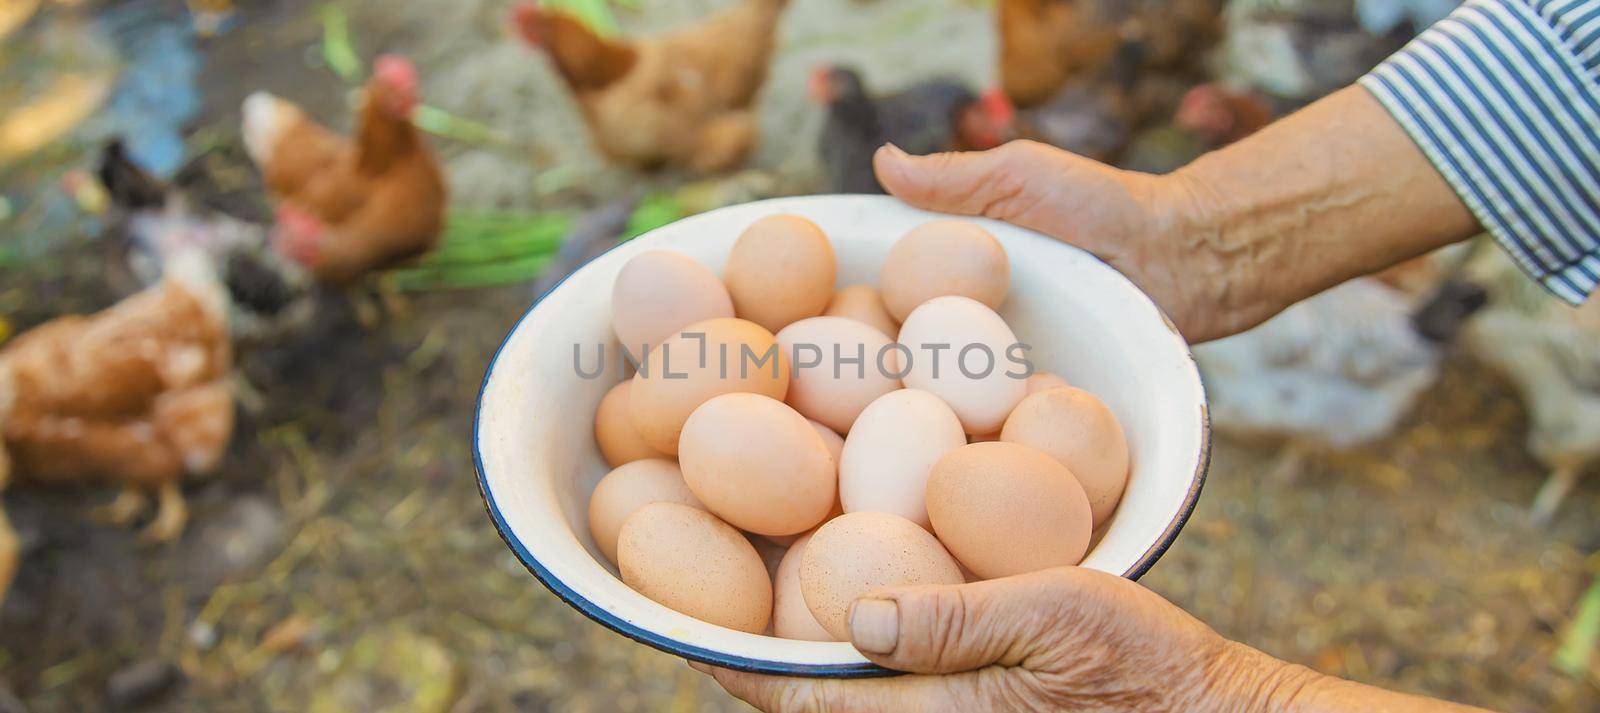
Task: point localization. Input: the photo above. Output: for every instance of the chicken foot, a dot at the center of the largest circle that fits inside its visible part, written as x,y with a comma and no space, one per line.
9,554
1287,467
172,516
724,142
1554,490
129,505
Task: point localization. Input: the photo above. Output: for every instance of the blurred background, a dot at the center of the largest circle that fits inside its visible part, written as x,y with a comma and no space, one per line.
335,554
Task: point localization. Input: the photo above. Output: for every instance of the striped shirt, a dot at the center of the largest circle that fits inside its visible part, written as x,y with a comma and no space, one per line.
1504,98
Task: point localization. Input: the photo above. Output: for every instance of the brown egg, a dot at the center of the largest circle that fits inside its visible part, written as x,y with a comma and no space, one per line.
863,304
689,561
835,449
943,257
858,553
1042,380
660,292
984,437
1006,509
619,441
628,488
781,270
758,464
834,441
708,359
1077,429
835,370
791,619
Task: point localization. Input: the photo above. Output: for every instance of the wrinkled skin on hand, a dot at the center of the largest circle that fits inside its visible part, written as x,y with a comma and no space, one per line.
1139,223
1059,639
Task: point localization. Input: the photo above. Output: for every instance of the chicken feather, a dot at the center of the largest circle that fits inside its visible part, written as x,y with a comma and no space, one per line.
135,394
350,206
1335,371
678,98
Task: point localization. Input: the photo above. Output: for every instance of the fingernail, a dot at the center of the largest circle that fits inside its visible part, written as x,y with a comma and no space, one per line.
894,165
875,625
702,668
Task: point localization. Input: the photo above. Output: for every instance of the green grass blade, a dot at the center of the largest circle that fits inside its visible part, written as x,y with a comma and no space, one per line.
473,276
653,211
439,122
594,13
1577,647
338,50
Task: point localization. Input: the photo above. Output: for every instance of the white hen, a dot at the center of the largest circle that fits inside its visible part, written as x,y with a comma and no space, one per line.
1333,372
1551,353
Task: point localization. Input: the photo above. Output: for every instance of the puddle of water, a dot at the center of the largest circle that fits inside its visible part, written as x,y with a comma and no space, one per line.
156,94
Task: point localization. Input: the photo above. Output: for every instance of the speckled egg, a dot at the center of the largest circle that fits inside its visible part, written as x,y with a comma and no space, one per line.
689,561
791,619
1079,430
858,553
626,489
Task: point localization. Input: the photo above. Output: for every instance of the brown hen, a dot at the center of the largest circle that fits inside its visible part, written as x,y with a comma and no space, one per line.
1045,44
134,394
680,98
347,207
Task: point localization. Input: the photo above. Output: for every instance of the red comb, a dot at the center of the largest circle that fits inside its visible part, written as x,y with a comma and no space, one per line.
525,18
998,106
396,71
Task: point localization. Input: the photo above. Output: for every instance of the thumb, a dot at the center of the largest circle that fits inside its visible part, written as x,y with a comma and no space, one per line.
953,628
970,183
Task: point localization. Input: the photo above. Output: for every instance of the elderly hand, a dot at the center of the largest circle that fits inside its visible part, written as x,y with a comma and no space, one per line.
1064,639
1332,192
1133,221
1059,639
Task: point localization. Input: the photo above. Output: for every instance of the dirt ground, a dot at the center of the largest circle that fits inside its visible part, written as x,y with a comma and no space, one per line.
341,560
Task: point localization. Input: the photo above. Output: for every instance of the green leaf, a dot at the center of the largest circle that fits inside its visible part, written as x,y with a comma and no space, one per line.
337,48
1572,658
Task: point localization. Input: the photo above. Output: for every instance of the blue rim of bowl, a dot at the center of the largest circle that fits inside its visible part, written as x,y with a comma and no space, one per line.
763,666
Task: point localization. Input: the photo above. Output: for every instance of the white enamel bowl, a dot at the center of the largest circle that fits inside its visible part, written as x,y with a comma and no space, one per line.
537,461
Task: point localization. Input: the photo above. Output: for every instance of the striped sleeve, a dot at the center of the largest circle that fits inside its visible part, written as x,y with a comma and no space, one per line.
1503,97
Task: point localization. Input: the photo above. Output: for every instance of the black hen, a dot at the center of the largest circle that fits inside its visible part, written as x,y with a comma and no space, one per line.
935,115
153,221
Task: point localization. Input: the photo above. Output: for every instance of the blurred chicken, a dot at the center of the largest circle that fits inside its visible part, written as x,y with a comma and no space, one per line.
151,220
135,394
935,115
9,547
347,207
679,98
1550,352
1047,44
1334,372
1220,115
1092,116
1298,51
